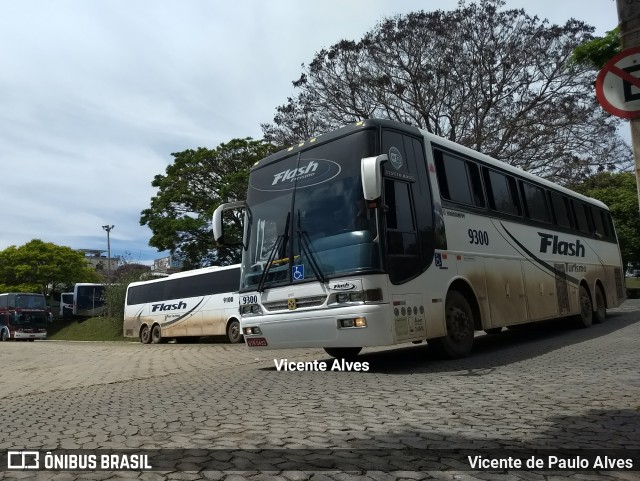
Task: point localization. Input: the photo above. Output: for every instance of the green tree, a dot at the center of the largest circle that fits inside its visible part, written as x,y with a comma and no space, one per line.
116,292
497,81
43,267
619,192
195,184
596,52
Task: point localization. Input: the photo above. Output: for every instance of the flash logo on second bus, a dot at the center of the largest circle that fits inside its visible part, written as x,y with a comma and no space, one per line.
574,249
168,307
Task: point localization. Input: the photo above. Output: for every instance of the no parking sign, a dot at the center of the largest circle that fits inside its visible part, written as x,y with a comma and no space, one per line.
618,84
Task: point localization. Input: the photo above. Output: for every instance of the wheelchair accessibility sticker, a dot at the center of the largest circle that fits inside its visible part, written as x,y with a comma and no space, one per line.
297,272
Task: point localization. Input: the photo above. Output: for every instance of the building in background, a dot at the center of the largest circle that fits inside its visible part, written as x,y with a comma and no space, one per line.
166,265
97,259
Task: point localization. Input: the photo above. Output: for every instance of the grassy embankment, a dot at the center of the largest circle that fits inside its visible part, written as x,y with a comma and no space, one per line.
633,282
92,329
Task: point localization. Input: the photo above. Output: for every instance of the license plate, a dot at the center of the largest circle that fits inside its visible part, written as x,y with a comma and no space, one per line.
256,341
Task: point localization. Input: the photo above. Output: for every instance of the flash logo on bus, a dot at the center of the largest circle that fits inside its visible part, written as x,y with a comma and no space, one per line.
291,303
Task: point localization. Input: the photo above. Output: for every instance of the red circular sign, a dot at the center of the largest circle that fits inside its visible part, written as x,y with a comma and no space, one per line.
617,87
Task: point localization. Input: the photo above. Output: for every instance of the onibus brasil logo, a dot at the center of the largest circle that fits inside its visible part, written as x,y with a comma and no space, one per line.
80,460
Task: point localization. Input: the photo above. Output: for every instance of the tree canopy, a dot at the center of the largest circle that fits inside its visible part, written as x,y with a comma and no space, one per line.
498,81
194,185
619,192
42,267
598,51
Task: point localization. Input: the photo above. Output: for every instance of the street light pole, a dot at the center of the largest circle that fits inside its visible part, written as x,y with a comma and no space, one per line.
108,229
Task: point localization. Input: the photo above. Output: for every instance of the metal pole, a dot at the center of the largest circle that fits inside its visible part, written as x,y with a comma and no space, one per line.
108,229
629,18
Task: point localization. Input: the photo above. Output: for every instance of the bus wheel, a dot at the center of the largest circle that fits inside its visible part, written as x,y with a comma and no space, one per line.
4,336
156,334
460,328
600,314
233,332
343,352
145,335
585,318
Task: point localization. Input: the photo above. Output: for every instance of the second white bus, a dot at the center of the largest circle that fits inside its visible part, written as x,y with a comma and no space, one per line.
184,306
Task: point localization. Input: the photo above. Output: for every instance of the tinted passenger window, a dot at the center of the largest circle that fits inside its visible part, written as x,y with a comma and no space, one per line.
609,223
458,179
501,192
581,217
589,215
599,224
535,202
561,210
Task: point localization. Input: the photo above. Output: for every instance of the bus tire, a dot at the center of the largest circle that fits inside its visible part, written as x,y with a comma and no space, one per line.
459,320
4,336
585,318
156,334
343,352
234,335
600,313
145,334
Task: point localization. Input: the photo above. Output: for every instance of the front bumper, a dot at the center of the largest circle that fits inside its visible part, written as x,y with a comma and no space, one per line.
320,328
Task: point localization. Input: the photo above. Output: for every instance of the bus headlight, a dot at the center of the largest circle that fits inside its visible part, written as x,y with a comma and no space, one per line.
250,310
352,322
341,298
359,297
249,331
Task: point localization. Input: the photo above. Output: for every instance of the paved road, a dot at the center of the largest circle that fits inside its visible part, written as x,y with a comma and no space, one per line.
545,388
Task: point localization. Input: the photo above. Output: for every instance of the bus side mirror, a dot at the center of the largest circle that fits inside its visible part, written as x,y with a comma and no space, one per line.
217,224
371,173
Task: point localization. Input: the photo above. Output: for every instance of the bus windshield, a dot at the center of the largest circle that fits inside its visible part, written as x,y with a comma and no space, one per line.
29,319
307,217
29,301
89,299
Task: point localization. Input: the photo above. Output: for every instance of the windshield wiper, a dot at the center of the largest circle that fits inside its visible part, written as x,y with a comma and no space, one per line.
281,240
304,244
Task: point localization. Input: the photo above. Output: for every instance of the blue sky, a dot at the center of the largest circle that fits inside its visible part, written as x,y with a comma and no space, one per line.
95,96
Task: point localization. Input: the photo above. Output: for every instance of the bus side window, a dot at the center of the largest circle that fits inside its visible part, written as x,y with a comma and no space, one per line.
599,225
608,232
502,192
589,216
561,210
535,202
580,216
609,222
458,179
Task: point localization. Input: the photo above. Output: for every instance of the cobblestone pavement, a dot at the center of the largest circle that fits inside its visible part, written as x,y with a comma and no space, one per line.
547,387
